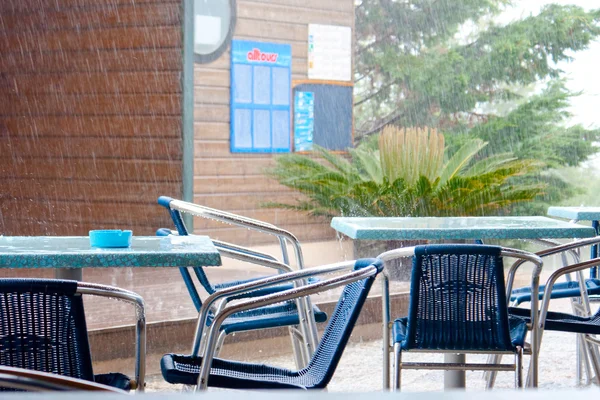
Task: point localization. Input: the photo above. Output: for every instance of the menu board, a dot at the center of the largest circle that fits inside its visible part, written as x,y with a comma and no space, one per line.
304,120
329,52
322,115
260,97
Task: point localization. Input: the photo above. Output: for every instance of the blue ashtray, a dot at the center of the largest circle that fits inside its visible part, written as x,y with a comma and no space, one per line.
110,238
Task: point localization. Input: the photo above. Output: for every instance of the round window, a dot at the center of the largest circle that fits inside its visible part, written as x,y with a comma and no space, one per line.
214,23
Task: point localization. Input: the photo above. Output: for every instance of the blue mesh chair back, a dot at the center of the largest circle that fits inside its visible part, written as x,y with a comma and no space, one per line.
198,271
42,327
185,273
318,372
458,299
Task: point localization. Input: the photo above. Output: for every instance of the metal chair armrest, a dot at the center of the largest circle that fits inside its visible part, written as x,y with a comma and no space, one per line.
552,280
230,246
138,302
229,252
239,220
286,295
226,245
561,248
225,294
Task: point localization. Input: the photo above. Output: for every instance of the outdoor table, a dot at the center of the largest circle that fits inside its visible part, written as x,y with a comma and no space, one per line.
69,254
576,214
455,228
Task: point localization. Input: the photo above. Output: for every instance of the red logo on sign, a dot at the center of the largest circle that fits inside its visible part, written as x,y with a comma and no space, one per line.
257,55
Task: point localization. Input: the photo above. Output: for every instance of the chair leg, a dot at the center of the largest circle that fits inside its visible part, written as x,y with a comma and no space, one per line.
386,325
297,346
583,362
220,341
594,359
397,367
519,368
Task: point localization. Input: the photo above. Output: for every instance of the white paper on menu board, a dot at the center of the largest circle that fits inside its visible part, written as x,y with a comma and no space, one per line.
329,52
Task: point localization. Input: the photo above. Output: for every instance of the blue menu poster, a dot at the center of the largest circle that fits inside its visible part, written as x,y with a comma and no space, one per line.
260,97
304,120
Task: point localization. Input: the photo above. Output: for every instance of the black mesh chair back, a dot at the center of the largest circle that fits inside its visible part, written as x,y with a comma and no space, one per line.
42,327
180,369
325,360
458,299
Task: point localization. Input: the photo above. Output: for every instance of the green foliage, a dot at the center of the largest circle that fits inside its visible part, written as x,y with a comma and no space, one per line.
416,66
410,153
334,185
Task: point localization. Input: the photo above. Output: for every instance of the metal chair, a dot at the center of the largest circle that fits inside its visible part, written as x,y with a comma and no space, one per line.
458,305
19,379
43,328
585,326
569,288
580,299
209,371
303,329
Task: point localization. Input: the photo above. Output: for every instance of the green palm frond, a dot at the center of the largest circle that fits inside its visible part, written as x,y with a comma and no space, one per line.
461,159
375,181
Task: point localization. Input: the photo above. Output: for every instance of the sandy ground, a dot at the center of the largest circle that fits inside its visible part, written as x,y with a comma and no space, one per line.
360,368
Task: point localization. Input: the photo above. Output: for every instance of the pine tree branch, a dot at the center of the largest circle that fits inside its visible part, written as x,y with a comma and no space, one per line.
374,94
379,127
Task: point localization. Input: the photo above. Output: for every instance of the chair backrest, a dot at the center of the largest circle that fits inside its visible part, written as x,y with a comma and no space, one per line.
458,299
185,272
327,355
43,328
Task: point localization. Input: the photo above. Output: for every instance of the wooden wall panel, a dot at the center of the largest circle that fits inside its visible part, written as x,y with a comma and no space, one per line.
88,61
90,123
92,126
135,82
25,6
101,39
236,182
92,104
99,148
127,170
110,16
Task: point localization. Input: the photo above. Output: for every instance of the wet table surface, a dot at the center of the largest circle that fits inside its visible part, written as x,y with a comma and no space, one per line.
575,213
458,228
76,252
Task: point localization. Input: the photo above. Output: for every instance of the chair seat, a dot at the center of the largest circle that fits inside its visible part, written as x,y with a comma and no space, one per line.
517,326
273,316
560,290
564,322
181,369
259,292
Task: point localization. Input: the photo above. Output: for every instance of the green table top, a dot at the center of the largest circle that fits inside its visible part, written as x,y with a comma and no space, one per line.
76,252
576,213
459,228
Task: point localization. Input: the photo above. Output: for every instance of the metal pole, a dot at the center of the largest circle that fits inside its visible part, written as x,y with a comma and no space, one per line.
454,379
188,108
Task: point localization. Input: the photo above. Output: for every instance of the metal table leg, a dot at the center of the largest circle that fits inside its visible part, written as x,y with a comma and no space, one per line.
454,379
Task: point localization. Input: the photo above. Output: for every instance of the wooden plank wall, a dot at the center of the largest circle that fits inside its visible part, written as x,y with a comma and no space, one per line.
235,182
90,114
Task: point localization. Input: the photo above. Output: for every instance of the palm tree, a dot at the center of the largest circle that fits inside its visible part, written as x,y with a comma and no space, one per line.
402,173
